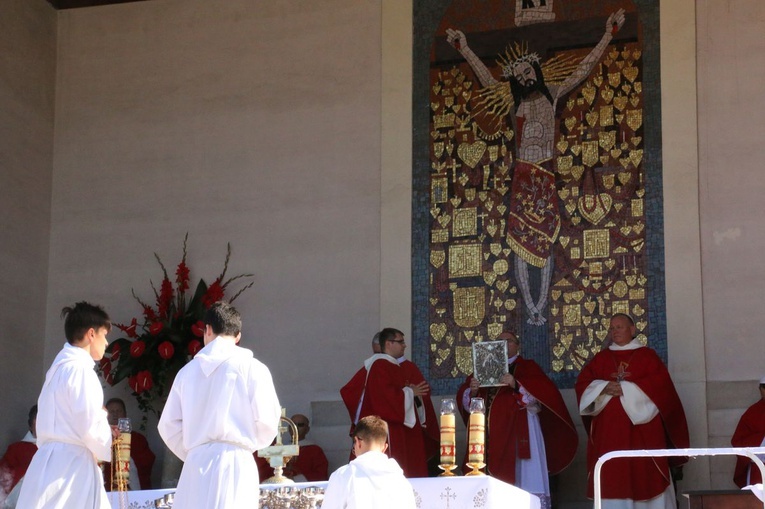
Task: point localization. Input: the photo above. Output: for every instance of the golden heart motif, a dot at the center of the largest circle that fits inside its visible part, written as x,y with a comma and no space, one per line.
570,104
510,304
557,366
604,159
585,282
495,248
598,80
502,209
494,330
463,179
444,220
434,211
559,350
437,331
586,319
614,79
640,192
570,123
455,201
631,279
620,101
634,100
636,156
637,310
576,149
562,145
638,86
563,193
436,88
625,162
641,325
502,285
564,240
631,73
607,94
482,195
594,208
618,206
556,294
615,153
620,64
609,263
435,106
638,227
627,88
491,228
590,306
588,92
624,177
608,181
471,153
456,108
576,220
570,206
592,118
489,204
577,171
577,295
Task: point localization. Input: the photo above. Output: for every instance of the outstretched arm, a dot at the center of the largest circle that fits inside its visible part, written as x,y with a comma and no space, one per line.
614,23
457,39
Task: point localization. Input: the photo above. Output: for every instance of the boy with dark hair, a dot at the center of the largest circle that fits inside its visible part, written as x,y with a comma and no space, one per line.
73,433
222,407
372,480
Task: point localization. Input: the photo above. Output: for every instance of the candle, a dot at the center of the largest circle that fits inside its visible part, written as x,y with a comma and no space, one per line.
476,437
447,439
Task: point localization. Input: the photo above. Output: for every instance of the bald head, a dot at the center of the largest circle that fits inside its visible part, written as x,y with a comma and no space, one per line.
301,421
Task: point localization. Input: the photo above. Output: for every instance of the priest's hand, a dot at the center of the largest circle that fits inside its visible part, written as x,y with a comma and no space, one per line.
115,432
421,389
508,379
613,389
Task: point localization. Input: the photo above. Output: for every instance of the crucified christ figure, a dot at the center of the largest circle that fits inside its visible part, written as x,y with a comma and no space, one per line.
533,216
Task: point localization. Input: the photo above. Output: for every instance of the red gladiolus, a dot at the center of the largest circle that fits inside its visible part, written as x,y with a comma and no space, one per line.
156,328
149,314
129,329
137,348
213,294
194,346
166,350
182,277
165,298
198,329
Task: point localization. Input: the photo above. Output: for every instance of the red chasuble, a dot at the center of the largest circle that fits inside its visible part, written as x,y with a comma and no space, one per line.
311,463
14,464
384,396
507,435
430,430
749,433
611,430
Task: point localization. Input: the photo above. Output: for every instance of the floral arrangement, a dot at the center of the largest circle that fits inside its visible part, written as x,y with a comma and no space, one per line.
167,336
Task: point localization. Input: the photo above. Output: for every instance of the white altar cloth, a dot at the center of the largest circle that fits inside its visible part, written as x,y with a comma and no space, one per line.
429,492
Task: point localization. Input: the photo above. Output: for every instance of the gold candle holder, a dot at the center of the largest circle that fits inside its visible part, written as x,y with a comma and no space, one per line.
476,437
448,458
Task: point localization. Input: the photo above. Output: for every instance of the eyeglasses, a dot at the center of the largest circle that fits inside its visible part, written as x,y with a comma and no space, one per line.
301,424
399,341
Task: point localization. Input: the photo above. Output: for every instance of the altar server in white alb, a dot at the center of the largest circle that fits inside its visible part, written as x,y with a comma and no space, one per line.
372,480
73,433
222,407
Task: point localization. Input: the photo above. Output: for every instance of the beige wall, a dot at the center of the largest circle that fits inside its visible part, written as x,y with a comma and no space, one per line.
731,188
27,69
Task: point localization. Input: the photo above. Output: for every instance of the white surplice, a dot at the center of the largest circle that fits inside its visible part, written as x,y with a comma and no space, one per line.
371,481
73,434
222,407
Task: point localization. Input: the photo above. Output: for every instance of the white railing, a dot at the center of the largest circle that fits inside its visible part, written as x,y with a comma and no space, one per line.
750,452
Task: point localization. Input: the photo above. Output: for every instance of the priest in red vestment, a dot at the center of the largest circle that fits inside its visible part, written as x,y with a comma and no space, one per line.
427,422
381,388
529,432
628,401
18,456
311,463
750,432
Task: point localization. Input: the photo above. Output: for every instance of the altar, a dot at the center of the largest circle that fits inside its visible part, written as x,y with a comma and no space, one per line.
429,492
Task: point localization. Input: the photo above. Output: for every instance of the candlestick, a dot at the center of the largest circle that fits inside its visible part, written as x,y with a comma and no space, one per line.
448,441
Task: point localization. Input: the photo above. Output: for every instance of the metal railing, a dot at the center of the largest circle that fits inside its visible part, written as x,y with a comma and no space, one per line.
750,452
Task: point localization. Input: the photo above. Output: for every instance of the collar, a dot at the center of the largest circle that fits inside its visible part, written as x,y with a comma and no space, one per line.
632,345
